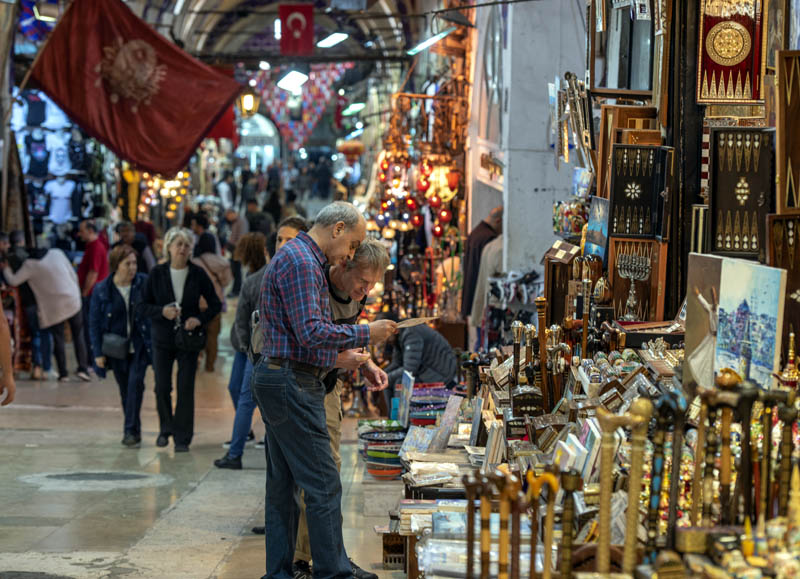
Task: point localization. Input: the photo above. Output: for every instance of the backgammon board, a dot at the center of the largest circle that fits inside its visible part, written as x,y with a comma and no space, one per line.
783,252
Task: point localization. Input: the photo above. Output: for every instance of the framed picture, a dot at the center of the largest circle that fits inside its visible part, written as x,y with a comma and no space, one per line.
597,230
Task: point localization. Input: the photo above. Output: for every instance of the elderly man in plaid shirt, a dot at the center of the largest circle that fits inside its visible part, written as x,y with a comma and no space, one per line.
300,347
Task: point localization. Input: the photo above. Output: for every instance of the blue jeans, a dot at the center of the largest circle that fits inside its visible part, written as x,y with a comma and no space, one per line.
41,348
245,405
299,457
237,372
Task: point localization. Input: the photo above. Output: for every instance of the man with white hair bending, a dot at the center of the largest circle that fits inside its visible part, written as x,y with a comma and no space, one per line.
301,345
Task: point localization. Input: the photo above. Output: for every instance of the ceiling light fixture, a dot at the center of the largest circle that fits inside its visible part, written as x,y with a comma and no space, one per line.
252,82
431,41
293,81
45,12
277,29
332,39
263,65
353,108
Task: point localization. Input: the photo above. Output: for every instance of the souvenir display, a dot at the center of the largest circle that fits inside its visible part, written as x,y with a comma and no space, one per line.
782,252
731,58
615,117
741,194
637,270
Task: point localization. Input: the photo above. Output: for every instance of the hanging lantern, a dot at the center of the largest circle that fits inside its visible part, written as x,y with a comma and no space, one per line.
382,177
372,225
426,168
247,102
438,230
385,206
384,165
394,223
412,204
352,150
435,202
404,227
416,220
423,184
405,216
388,233
453,179
445,216
396,183
380,220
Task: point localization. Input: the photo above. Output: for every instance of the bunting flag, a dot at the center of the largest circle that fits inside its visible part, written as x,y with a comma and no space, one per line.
317,93
129,87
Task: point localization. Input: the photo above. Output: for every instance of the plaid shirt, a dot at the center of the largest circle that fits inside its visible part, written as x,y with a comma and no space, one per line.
295,308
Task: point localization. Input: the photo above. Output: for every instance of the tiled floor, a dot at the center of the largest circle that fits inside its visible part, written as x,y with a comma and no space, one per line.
184,518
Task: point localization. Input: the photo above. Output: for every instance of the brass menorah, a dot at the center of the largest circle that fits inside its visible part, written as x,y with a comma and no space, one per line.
634,266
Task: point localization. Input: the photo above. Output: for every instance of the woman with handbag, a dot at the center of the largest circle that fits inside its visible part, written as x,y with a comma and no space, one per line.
218,269
121,335
172,301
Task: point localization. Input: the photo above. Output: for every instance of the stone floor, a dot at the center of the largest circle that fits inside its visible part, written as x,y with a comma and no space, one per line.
75,503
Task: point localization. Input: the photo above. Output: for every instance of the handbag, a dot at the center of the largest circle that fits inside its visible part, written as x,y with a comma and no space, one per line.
190,340
115,346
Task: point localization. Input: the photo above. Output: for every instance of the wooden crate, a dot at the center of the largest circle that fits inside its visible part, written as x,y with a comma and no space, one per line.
650,291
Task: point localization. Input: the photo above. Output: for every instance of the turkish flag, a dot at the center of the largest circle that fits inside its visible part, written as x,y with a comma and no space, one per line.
130,88
297,29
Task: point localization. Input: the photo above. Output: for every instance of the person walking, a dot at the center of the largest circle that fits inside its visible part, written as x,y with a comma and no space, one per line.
300,347
238,226
172,302
120,335
58,299
252,251
218,270
92,270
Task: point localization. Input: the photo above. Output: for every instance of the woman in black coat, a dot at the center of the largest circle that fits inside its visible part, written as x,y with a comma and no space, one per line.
114,310
173,300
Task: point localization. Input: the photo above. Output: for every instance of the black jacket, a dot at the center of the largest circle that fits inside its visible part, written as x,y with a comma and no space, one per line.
421,348
158,293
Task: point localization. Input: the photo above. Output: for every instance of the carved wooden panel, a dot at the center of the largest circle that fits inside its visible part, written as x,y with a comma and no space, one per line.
788,143
741,191
783,232
650,290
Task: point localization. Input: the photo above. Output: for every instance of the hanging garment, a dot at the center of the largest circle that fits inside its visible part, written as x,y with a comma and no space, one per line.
58,163
39,156
60,192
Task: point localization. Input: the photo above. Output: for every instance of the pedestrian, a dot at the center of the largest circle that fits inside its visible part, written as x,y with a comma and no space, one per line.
218,270
324,176
225,190
300,348
349,287
239,226
41,345
288,229
257,220
92,270
172,302
145,259
252,251
58,299
120,336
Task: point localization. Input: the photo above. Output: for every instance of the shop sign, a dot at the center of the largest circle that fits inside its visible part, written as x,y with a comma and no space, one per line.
490,165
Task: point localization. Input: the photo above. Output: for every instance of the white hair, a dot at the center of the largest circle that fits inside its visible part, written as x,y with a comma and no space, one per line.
173,235
338,211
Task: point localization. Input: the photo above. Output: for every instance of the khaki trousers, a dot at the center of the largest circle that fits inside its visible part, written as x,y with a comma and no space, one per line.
333,416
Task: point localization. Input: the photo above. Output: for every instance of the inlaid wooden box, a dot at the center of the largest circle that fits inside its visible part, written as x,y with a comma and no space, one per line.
783,232
615,117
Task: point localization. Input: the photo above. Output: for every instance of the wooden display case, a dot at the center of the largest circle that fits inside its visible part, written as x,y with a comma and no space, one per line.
557,275
650,291
615,117
783,232
741,191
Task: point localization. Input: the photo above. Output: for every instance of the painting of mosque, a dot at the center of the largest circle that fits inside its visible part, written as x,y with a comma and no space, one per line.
750,316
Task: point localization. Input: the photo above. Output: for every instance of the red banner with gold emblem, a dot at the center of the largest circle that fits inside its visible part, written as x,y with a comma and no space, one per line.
130,88
731,61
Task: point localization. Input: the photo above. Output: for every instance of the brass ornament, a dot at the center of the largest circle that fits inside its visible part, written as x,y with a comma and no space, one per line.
728,43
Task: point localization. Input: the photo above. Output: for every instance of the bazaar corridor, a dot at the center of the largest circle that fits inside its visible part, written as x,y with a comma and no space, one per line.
78,504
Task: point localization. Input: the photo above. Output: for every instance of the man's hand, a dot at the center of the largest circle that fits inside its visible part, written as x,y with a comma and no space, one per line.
351,359
100,362
379,331
8,386
171,312
375,377
191,324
